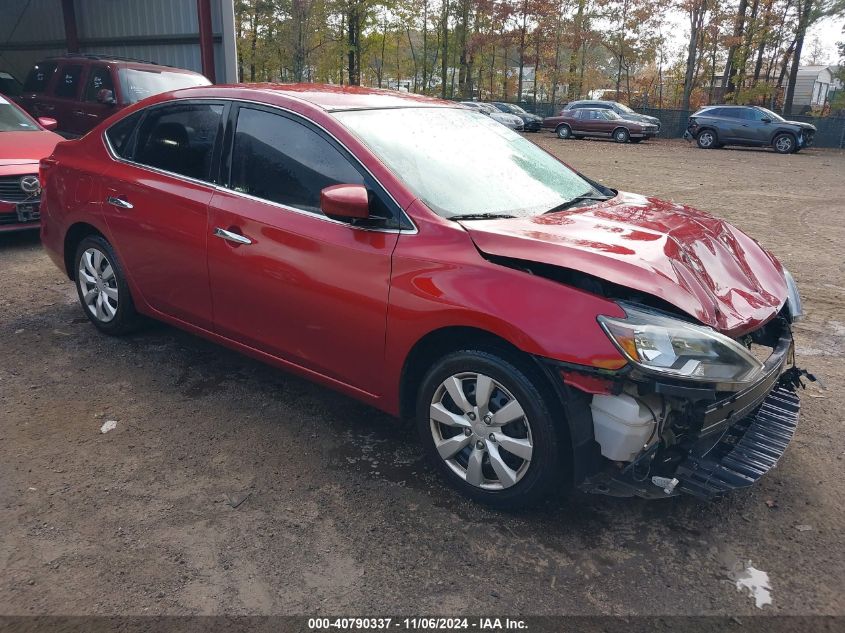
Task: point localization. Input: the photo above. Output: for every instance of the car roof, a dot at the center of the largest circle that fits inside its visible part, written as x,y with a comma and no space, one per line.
127,62
327,97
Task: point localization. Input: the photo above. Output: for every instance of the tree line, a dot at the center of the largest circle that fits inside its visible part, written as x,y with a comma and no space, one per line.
539,51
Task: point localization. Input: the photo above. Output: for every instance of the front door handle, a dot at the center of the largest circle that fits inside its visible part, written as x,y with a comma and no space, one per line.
119,203
229,236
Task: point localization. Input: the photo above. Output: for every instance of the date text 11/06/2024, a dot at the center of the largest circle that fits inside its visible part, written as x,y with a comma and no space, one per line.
418,624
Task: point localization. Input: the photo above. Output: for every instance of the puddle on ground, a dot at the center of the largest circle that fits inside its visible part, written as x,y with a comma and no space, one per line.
753,582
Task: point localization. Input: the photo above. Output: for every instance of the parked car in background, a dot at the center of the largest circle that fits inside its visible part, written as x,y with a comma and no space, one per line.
531,122
23,143
754,126
619,108
509,120
600,123
9,85
80,91
542,329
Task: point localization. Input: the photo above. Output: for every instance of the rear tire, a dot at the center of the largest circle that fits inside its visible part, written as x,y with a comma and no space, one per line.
496,440
563,131
621,135
102,289
784,144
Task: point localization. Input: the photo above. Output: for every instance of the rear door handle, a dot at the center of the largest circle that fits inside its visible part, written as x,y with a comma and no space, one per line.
119,203
229,236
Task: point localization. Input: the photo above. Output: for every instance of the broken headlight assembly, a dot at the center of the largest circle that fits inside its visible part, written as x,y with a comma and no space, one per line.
793,299
664,345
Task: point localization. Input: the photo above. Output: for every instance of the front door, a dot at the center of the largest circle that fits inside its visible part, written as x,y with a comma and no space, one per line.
89,111
156,206
285,278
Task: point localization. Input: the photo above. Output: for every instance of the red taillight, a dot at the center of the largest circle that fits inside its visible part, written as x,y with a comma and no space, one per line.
43,167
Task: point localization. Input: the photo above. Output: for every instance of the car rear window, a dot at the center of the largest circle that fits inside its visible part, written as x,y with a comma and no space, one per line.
39,77
137,84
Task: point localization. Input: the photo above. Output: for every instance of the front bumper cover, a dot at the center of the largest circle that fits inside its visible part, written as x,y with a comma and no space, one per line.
741,438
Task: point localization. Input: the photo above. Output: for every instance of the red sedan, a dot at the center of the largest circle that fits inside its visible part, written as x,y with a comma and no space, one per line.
543,330
23,142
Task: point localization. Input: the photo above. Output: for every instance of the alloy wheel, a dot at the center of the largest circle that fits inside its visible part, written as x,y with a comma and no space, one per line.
784,144
481,431
98,285
705,139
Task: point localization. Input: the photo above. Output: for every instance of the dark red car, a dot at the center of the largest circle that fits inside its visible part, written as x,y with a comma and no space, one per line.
24,141
599,123
542,329
80,90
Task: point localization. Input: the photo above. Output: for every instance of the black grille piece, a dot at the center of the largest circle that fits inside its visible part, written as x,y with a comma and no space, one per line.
747,451
10,189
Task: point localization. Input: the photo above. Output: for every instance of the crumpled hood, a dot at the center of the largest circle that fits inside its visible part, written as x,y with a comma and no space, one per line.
702,265
17,148
802,125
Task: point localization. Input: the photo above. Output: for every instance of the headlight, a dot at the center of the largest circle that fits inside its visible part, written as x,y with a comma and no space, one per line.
793,299
665,345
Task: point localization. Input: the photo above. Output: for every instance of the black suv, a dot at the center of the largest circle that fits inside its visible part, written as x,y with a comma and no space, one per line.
530,122
715,126
619,108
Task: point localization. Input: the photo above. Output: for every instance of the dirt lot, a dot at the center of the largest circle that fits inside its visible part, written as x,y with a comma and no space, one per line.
342,515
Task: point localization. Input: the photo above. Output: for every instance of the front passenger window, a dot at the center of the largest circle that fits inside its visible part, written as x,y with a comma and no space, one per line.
283,161
179,138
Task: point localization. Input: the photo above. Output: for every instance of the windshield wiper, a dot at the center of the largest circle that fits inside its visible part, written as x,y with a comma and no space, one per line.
576,200
479,216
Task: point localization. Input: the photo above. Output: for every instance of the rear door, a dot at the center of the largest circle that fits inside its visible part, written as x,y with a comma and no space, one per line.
156,205
90,111
36,89
64,100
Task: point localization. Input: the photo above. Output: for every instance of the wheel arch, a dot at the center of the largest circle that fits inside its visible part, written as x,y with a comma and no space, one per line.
782,131
440,342
708,128
74,235
621,127
569,405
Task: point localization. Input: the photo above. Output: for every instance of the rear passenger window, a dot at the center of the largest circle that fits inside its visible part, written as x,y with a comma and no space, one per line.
278,159
98,79
67,84
120,135
39,77
179,138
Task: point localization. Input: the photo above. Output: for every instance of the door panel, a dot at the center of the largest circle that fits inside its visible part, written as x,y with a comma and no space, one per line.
306,288
159,220
65,98
89,112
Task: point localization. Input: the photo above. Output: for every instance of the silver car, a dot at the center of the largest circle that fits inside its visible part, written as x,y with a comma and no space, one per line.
510,120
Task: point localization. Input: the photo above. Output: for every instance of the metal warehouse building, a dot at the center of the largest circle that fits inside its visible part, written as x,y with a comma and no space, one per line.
195,34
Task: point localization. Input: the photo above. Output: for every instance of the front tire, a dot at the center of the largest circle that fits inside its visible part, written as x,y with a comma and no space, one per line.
621,135
784,144
706,139
563,131
102,289
487,422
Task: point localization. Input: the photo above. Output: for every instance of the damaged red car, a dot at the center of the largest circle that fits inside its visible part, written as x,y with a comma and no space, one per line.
543,330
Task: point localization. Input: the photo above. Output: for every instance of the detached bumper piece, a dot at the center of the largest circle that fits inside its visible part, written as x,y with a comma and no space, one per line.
747,451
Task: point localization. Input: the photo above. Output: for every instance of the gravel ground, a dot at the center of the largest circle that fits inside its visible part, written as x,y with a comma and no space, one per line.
338,512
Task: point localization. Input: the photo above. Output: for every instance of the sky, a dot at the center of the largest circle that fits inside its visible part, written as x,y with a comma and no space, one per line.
829,32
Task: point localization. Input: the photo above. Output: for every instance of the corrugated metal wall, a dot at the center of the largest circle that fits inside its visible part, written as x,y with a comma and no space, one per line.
163,31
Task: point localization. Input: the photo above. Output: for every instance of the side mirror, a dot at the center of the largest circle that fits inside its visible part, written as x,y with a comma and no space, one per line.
106,96
766,119
47,123
349,202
